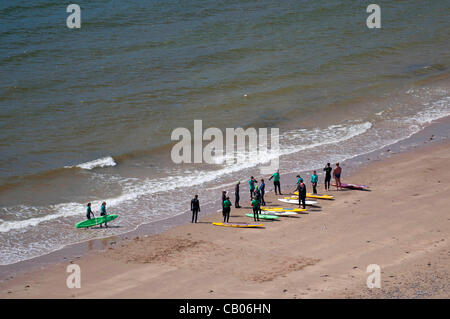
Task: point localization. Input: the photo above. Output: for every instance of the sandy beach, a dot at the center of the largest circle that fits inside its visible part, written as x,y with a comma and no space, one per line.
401,224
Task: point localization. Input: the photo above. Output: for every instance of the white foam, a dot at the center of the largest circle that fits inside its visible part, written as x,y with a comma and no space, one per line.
100,162
64,210
434,111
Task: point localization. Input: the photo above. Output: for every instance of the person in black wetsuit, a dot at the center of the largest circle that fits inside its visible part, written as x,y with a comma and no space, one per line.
301,188
262,188
327,170
236,195
195,208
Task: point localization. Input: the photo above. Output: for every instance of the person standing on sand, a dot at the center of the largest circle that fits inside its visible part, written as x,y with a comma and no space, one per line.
103,213
262,188
327,170
258,196
276,182
301,188
236,195
256,209
224,197
257,193
251,184
337,172
195,208
226,210
314,180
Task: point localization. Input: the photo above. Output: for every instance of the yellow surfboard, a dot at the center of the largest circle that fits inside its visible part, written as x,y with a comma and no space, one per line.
242,225
314,196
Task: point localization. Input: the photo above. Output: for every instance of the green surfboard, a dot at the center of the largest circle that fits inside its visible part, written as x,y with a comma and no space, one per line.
260,216
95,221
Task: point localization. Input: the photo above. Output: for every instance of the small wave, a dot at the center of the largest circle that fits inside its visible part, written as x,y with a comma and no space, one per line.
101,162
64,210
433,111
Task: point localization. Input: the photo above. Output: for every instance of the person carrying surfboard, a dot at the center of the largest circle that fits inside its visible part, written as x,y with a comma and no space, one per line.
226,209
337,176
314,180
327,170
89,211
256,208
103,213
195,208
276,182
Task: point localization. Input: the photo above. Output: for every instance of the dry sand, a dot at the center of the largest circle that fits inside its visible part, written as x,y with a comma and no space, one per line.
402,224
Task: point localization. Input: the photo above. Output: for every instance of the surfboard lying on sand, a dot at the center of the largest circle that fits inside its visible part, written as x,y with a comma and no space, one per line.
295,201
279,212
352,186
282,209
262,216
242,225
310,195
95,221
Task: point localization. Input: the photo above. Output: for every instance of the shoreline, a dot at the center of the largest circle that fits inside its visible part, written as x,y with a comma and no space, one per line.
322,254
436,131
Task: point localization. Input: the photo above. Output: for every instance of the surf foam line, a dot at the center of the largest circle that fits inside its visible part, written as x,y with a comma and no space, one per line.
131,192
100,162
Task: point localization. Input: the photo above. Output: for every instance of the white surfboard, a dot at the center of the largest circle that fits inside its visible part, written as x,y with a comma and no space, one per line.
294,201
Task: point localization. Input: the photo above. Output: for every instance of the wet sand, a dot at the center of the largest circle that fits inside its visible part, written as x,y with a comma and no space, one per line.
402,225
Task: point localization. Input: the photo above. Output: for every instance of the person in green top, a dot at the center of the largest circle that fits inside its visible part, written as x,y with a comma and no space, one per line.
251,184
314,180
256,209
276,182
226,210
299,179
89,211
103,213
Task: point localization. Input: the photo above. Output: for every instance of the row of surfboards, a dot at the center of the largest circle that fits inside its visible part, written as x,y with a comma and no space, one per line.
275,212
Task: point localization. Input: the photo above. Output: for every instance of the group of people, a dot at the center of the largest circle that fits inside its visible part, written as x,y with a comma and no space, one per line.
89,212
337,172
257,192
